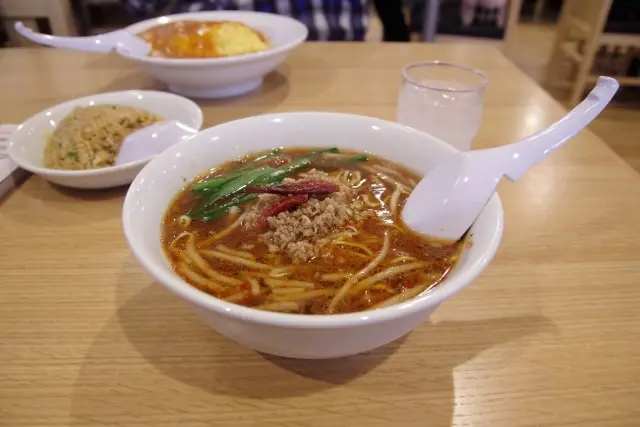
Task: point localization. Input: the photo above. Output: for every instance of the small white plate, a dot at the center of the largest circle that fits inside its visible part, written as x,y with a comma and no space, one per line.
27,143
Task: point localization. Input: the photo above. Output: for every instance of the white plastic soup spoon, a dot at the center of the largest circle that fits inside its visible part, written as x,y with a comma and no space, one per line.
152,140
446,202
120,40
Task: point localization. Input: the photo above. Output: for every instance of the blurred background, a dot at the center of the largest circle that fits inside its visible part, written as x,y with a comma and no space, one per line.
561,44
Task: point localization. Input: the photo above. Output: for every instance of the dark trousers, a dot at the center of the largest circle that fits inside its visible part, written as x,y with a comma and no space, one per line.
395,28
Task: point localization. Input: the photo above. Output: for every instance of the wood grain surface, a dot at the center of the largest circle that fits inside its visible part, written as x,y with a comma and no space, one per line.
548,336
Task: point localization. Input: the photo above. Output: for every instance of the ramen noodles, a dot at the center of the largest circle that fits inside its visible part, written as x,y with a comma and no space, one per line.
308,231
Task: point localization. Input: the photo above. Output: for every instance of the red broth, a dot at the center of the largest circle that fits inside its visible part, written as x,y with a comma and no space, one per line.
342,252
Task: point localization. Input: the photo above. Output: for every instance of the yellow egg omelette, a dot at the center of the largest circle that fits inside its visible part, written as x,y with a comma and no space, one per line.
204,39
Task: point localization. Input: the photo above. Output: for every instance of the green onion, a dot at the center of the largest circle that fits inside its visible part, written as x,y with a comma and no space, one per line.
212,184
215,182
358,158
223,209
228,188
222,187
235,185
268,155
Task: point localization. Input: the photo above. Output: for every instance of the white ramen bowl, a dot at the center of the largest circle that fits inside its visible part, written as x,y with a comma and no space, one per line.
27,143
228,76
295,335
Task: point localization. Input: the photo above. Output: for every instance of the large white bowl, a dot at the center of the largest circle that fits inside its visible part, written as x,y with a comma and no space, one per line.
292,335
228,76
27,143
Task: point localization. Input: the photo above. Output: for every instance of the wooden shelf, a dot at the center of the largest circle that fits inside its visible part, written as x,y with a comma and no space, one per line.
620,39
570,49
580,37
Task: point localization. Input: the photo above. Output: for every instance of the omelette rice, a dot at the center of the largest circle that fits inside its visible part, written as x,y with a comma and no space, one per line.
204,39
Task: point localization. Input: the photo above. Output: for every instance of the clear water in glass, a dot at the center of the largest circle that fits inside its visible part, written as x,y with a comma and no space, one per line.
444,100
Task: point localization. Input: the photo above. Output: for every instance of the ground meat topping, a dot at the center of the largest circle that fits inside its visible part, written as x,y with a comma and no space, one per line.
301,233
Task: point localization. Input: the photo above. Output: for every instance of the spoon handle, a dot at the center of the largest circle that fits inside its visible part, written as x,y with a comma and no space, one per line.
102,43
529,151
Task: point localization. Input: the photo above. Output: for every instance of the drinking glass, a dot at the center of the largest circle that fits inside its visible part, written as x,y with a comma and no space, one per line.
442,99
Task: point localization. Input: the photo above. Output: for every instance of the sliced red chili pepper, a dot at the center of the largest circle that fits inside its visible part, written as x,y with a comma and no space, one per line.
285,204
281,205
300,187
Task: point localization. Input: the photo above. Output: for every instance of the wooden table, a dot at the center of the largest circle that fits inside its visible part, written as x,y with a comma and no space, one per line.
548,336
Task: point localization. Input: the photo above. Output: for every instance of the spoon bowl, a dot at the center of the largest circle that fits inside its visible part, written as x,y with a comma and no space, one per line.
152,140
